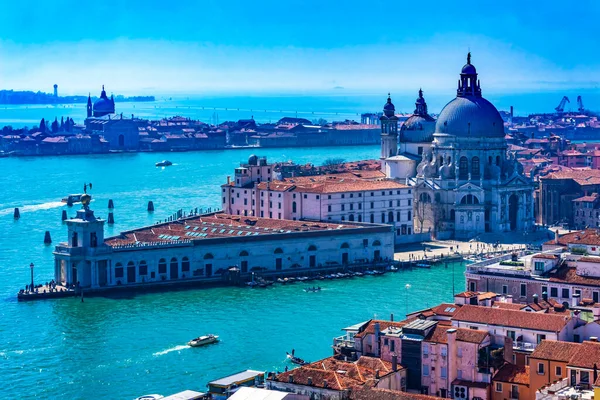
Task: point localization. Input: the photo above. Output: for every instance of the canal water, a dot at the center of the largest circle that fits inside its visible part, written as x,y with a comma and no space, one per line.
120,348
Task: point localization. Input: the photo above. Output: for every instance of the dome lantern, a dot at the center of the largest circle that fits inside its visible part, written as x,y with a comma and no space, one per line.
468,85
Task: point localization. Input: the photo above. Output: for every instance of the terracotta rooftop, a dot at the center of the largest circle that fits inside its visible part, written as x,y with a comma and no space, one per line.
555,350
509,306
471,335
333,183
510,318
581,176
439,334
369,393
510,373
587,237
370,328
587,199
567,274
217,226
545,256
340,375
587,356
590,259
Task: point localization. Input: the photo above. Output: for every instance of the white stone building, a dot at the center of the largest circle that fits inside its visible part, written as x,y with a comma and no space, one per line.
204,248
468,183
330,198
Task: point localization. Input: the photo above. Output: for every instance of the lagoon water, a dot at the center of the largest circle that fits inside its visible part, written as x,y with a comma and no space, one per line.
122,348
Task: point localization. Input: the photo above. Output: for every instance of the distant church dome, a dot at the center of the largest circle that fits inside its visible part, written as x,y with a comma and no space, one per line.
420,126
469,114
103,105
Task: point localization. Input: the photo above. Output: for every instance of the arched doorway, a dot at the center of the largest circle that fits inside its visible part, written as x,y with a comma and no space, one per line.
513,211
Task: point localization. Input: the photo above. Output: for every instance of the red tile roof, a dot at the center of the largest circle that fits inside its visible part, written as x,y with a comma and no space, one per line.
546,256
586,356
510,318
555,351
368,393
370,328
329,184
588,236
217,226
509,373
471,335
589,259
569,275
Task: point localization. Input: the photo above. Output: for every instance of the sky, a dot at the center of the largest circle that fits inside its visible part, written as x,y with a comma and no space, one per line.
241,46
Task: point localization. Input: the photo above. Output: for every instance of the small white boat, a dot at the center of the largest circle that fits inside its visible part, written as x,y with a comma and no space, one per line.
164,163
203,340
72,198
150,397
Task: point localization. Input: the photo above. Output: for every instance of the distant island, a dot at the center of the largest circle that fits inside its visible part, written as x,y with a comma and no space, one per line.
29,97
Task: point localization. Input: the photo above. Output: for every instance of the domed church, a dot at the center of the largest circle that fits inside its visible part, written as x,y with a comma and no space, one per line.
400,154
103,106
467,183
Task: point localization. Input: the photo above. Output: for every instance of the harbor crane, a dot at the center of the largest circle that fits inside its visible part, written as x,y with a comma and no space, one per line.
561,107
580,107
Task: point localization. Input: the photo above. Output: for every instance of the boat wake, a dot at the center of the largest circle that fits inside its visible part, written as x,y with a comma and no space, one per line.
33,207
167,351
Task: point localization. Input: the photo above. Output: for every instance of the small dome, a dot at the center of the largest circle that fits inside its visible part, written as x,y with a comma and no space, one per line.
417,128
468,69
389,109
103,105
253,160
470,117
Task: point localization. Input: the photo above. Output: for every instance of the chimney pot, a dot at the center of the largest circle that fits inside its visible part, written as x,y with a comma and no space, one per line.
593,338
291,378
325,383
309,379
376,374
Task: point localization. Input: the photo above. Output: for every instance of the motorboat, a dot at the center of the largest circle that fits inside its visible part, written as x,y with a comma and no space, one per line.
72,198
294,359
313,289
164,163
150,397
203,340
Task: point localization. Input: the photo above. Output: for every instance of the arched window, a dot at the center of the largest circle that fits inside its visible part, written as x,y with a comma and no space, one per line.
469,199
498,160
162,266
173,266
143,268
383,218
312,247
131,264
376,243
345,246
278,251
452,215
463,168
293,206
475,167
185,264
391,216
425,198
243,253
359,218
372,218
398,216
208,256
490,160
351,217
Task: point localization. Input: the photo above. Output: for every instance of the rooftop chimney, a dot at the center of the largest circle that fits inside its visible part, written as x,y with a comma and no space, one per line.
325,383
394,362
376,374
593,339
309,381
291,378
575,300
535,299
545,295
556,236
228,179
392,317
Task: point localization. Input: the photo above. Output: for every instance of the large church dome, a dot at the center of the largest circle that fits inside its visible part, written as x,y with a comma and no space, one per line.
103,105
469,114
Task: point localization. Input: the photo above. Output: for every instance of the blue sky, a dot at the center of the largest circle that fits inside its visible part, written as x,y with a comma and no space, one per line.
297,46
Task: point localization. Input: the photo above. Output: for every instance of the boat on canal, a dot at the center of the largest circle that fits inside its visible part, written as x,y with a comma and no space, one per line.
312,289
203,340
72,198
164,163
294,359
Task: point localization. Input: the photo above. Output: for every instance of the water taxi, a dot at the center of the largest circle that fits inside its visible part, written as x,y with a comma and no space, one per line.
294,359
164,163
203,340
72,198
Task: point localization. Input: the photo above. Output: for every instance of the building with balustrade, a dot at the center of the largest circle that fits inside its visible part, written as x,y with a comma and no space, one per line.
212,248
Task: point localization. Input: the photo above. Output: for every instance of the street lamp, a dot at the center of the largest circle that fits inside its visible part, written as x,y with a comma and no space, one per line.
31,267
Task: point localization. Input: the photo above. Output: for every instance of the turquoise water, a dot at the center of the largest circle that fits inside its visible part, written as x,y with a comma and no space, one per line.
122,348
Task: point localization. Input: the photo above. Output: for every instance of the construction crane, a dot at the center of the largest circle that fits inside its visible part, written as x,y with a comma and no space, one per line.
580,107
561,107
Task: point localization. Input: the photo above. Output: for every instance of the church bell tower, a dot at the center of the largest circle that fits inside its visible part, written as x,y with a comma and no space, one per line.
389,130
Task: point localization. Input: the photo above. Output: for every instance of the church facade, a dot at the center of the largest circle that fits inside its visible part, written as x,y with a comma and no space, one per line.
466,182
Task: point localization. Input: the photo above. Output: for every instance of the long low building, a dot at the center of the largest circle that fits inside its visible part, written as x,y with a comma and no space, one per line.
207,247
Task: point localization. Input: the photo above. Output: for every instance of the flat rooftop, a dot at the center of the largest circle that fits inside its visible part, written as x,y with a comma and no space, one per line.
220,226
237,378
